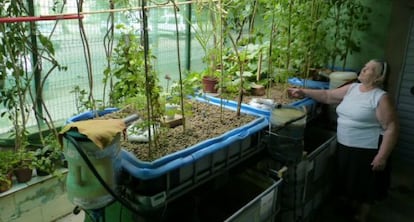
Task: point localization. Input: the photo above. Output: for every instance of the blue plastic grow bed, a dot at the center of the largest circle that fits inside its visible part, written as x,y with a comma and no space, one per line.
312,84
157,182
148,170
310,104
90,115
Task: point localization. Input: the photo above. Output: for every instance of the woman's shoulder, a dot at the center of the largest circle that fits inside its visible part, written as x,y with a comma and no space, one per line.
355,84
379,94
352,86
380,91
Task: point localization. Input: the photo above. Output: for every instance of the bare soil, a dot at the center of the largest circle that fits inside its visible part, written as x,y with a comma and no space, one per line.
206,121
277,93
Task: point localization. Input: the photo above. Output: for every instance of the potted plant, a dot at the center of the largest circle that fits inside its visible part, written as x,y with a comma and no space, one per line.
23,165
210,37
210,80
6,169
5,182
47,159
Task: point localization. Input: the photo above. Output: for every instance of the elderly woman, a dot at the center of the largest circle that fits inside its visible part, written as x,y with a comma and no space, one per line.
367,132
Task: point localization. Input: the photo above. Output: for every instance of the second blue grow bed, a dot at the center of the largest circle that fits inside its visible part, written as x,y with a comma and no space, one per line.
310,105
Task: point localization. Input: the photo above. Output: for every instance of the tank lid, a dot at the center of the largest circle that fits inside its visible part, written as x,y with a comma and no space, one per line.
343,75
288,115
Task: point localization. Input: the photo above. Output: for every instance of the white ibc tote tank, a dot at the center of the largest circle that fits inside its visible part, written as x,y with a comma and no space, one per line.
337,79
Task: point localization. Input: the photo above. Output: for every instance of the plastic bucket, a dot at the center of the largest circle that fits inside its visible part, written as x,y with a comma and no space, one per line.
286,129
83,187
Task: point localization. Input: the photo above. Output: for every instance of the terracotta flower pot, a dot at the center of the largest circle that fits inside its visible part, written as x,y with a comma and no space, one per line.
258,90
23,174
209,84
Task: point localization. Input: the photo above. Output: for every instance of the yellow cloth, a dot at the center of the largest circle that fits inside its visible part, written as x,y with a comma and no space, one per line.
101,132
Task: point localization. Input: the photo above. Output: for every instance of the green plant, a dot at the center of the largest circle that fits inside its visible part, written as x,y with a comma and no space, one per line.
26,51
189,87
24,159
6,169
346,18
16,66
47,158
130,71
5,182
7,159
310,35
23,165
209,33
252,58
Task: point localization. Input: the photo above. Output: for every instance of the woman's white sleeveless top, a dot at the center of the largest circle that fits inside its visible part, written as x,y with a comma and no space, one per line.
357,122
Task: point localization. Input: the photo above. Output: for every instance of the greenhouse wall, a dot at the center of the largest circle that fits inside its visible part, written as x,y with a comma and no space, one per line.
66,90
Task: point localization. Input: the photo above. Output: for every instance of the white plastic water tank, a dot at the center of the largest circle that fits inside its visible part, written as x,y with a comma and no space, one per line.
337,79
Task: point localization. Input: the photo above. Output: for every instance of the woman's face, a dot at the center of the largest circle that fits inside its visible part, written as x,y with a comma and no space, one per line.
370,73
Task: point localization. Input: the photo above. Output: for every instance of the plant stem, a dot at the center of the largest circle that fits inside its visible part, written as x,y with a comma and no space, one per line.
241,69
108,46
87,54
270,66
177,41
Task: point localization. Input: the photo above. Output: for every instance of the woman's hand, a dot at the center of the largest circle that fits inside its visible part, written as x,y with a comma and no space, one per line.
378,163
296,93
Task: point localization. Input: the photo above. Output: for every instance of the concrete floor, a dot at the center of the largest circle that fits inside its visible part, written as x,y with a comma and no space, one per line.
73,218
398,207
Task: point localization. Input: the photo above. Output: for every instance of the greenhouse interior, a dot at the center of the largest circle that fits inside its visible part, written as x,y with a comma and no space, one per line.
207,110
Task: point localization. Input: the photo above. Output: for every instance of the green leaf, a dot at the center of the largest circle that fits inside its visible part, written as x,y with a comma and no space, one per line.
47,44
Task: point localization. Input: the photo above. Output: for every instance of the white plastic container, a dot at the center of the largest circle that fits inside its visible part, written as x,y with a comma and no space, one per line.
337,79
83,188
287,126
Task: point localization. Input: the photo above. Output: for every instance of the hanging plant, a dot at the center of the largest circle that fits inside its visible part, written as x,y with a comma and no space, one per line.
15,66
346,18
